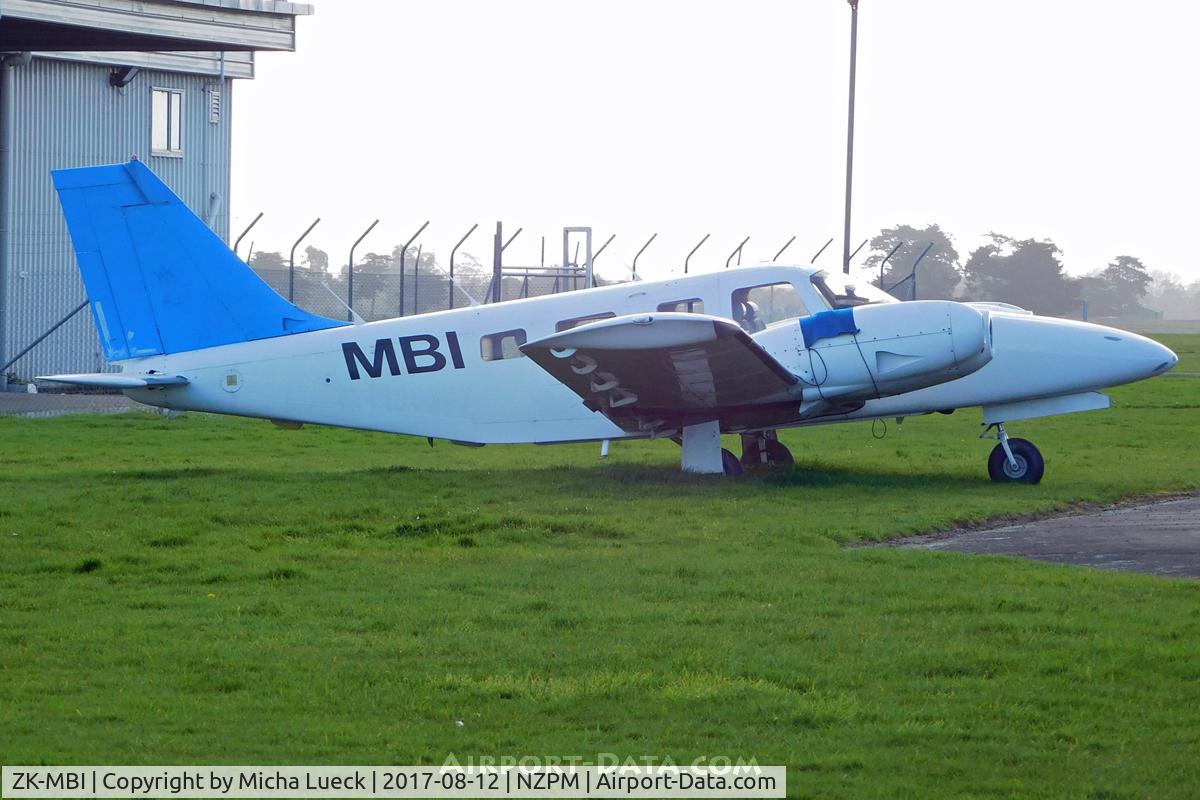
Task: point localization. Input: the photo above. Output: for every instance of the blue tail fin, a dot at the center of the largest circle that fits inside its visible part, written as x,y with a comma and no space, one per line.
158,279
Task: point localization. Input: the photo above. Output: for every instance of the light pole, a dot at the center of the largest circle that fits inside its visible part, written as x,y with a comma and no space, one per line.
850,133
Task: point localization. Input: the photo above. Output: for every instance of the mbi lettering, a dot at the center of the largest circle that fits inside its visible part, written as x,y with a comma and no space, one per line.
421,353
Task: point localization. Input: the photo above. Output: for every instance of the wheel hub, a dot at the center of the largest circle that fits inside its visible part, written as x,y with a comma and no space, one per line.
1018,469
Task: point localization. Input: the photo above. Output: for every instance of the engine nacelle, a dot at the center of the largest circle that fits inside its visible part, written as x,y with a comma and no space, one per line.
899,347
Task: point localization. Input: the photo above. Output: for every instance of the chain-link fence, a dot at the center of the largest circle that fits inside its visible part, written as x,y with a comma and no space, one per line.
382,295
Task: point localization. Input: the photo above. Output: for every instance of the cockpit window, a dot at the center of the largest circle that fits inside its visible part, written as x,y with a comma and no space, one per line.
847,291
756,307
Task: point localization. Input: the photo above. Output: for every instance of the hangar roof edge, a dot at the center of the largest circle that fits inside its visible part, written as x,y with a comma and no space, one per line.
149,25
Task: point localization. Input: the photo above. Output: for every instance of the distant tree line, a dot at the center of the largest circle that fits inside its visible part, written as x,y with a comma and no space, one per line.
1025,272
1028,273
377,291
317,260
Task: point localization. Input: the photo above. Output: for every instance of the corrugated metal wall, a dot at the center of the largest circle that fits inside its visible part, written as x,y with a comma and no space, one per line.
67,115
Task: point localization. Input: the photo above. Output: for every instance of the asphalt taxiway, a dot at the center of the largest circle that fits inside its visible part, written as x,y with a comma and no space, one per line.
1158,538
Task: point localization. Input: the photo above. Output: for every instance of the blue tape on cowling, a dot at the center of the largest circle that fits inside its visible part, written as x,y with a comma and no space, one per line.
827,324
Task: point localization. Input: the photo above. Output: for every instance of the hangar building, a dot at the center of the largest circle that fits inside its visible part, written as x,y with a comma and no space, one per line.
96,81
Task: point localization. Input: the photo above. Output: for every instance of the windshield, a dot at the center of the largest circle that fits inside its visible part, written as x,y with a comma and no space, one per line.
847,291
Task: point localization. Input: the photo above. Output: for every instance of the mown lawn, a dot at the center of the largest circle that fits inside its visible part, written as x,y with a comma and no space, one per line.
210,590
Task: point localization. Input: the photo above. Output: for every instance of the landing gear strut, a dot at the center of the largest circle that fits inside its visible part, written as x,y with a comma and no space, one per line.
1014,460
763,450
702,451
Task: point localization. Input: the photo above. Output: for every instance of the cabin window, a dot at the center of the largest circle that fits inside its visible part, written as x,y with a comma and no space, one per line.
503,345
842,291
166,138
756,307
575,322
692,305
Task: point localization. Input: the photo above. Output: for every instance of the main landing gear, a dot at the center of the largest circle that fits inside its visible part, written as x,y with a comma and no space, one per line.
763,450
702,451
1014,460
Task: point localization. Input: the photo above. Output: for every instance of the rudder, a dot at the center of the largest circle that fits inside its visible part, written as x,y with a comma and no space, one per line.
158,279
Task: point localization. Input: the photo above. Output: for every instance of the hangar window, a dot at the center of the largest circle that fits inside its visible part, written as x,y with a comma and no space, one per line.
575,322
499,346
167,129
692,305
756,307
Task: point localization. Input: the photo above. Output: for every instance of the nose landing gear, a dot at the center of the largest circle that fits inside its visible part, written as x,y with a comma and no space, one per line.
1014,460
764,450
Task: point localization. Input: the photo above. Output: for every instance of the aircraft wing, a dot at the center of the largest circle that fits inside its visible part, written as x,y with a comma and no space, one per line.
664,368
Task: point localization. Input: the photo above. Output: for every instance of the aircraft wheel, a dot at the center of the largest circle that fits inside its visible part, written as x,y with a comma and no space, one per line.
1029,467
777,454
733,467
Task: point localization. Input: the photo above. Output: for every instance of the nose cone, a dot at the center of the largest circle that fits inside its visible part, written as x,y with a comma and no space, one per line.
1138,357
1055,356
1169,359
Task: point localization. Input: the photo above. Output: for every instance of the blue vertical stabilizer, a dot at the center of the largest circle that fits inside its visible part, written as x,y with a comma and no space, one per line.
158,279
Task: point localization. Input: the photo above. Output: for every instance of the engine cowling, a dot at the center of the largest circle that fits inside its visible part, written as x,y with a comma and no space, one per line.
898,348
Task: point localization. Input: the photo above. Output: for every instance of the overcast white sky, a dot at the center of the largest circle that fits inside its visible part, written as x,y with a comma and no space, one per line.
1072,120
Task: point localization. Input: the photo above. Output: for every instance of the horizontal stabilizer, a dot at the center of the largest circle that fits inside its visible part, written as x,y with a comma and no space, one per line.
115,380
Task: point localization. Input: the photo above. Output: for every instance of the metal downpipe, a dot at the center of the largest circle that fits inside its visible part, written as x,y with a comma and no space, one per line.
7,161
6,188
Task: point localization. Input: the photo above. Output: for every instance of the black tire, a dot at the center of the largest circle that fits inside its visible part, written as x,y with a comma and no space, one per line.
1030,465
733,467
777,454
751,454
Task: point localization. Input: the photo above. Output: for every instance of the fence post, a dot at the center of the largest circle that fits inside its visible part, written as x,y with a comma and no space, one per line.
292,261
786,245
687,260
737,251
921,257
453,252
417,281
639,252
817,255
350,273
886,258
497,260
860,247
403,254
253,222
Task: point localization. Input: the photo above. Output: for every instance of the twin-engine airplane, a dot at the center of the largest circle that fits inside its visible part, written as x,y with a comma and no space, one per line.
745,351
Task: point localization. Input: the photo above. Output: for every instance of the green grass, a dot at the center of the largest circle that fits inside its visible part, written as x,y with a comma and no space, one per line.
210,590
1186,346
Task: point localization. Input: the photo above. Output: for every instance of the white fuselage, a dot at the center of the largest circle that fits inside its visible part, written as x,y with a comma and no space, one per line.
444,387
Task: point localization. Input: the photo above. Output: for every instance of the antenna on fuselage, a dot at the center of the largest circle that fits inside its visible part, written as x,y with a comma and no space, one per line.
354,317
463,289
